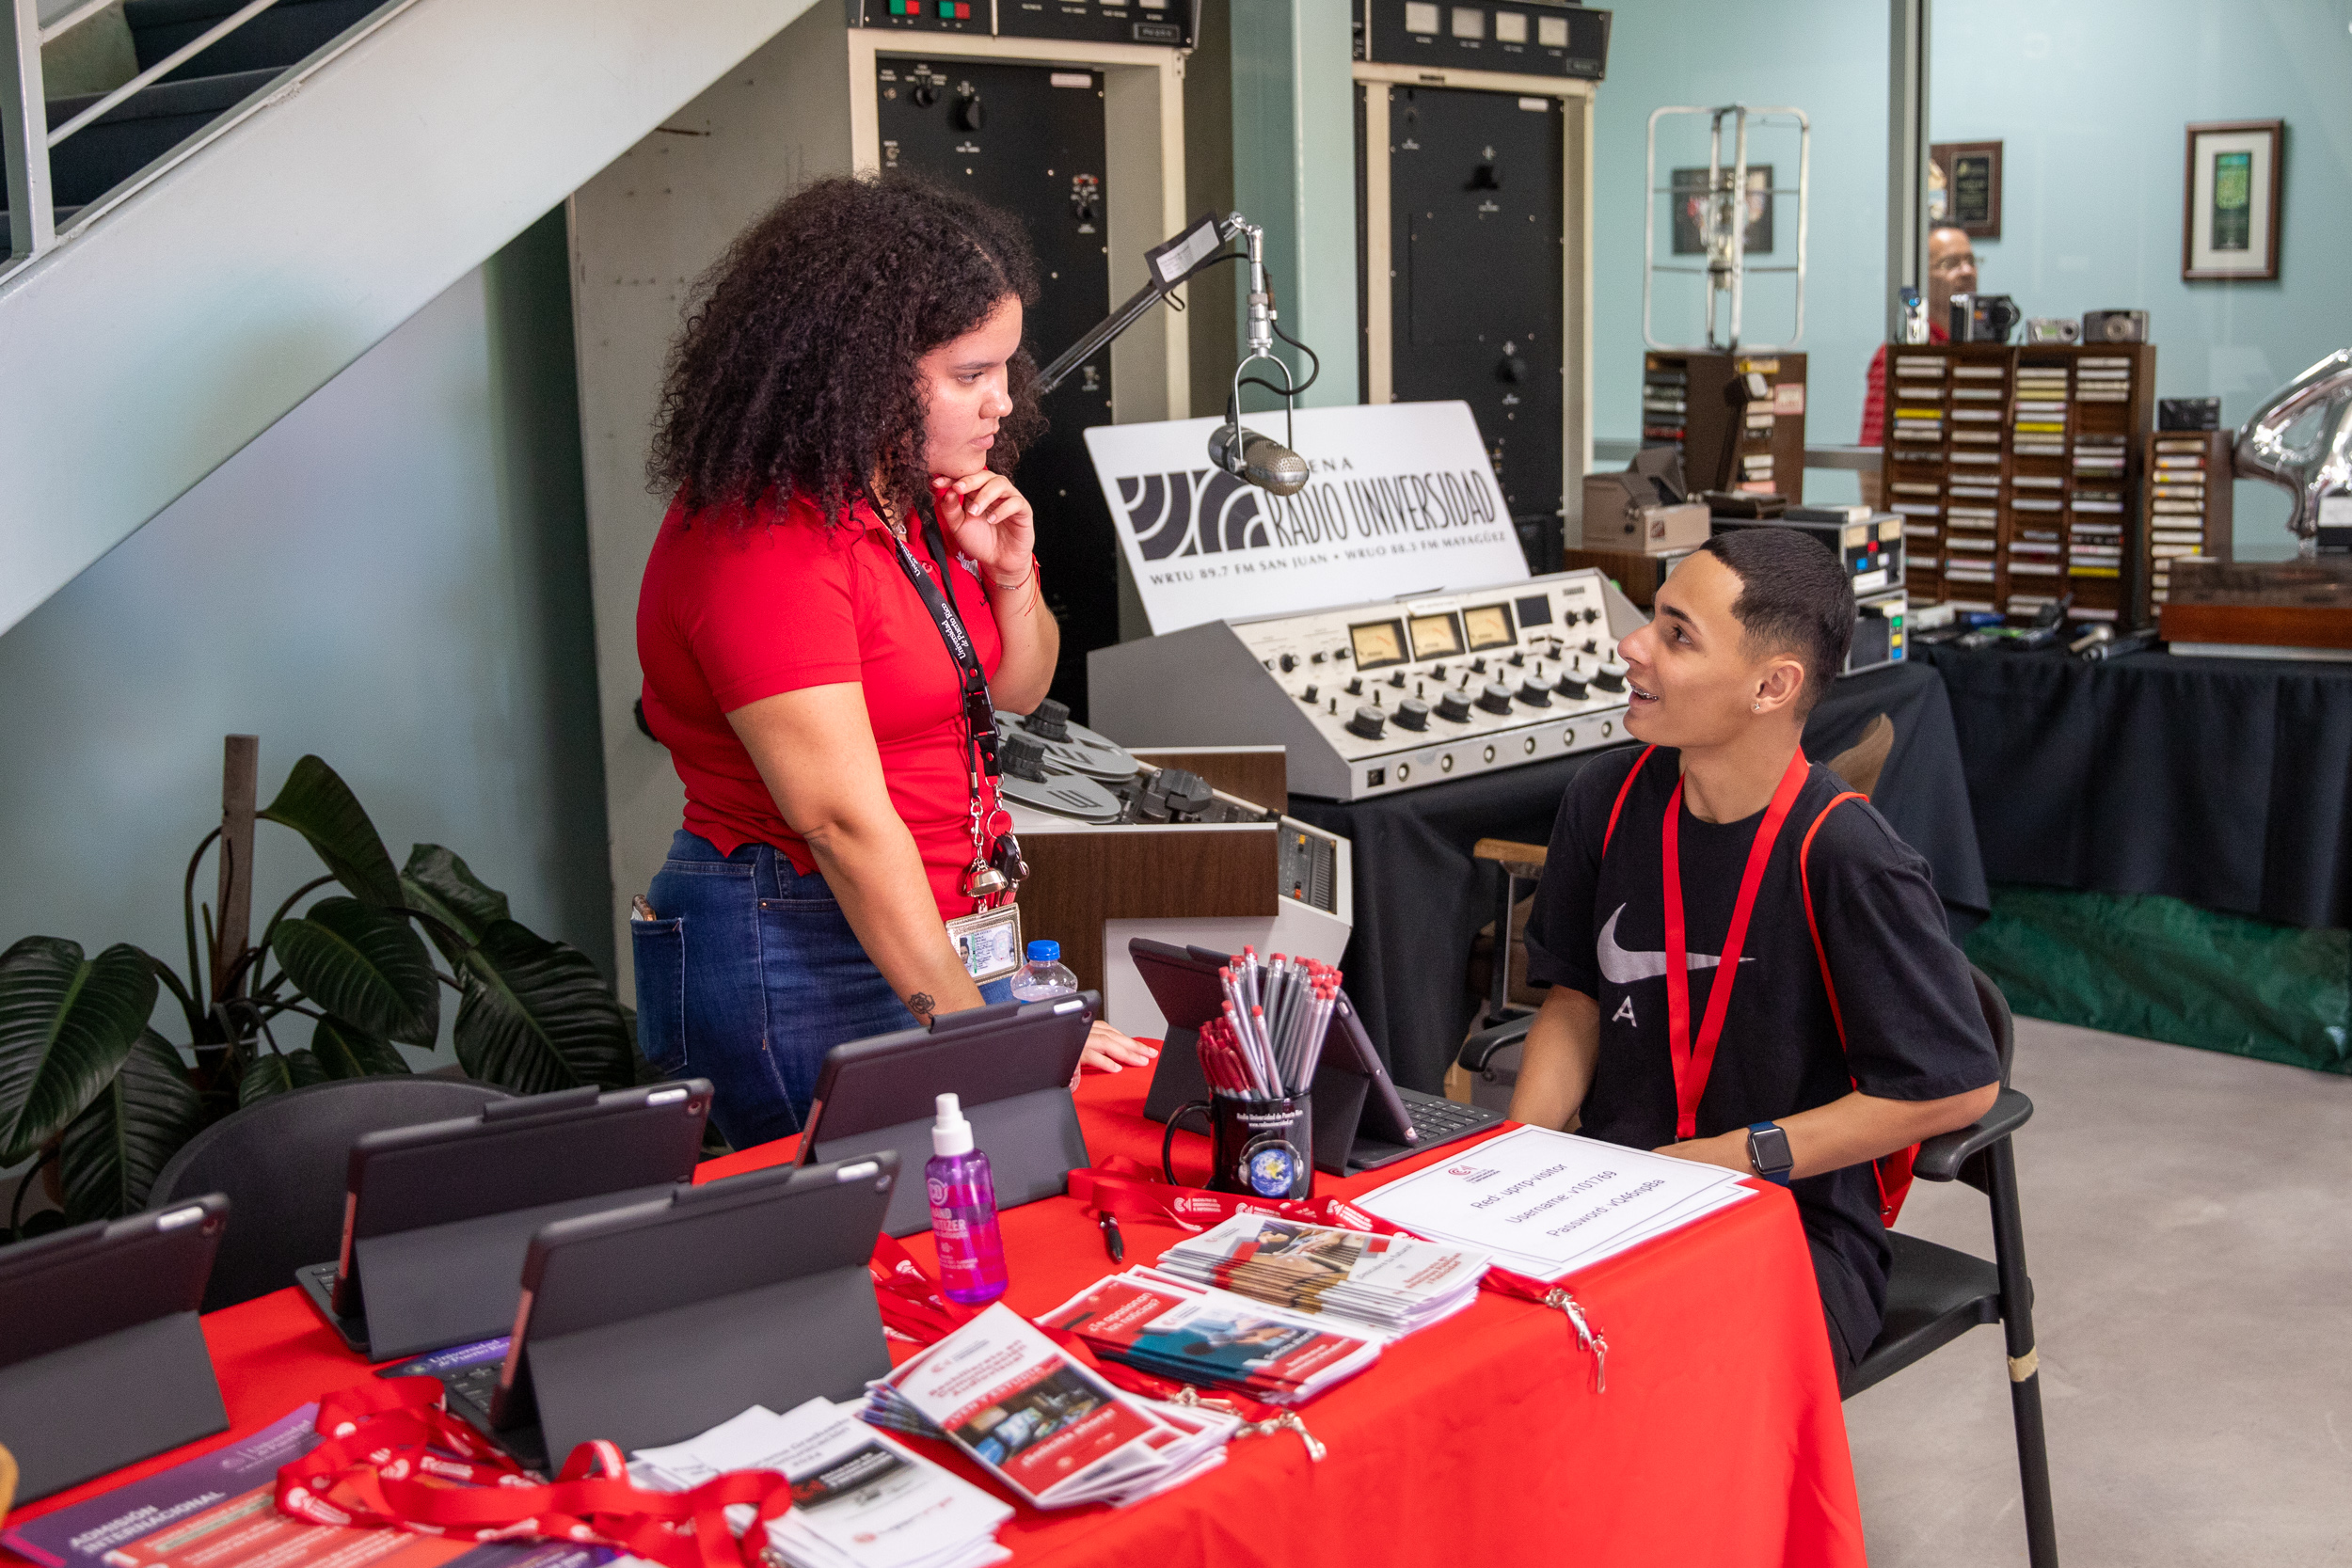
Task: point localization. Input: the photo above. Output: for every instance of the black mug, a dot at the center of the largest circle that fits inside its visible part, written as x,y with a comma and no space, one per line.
1258,1147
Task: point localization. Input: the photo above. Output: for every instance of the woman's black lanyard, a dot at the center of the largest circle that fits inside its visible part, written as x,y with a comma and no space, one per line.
990,877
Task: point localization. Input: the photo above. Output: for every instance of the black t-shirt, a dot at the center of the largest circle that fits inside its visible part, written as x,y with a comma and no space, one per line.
1913,1030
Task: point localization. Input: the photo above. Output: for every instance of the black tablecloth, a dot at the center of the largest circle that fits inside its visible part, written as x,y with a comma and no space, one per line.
2225,782
1421,898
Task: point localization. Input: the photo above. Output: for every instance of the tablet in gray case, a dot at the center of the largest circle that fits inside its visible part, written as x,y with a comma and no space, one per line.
651,1323
101,1360
437,1216
1009,1064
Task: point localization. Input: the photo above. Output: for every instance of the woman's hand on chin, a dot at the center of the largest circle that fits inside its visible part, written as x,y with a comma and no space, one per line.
989,521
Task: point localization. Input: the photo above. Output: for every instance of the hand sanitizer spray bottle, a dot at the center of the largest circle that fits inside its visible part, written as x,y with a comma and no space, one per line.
962,1193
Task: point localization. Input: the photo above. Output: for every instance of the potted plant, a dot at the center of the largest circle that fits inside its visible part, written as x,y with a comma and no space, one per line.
92,1089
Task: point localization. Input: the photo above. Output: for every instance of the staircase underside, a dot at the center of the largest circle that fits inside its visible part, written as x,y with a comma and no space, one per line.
144,353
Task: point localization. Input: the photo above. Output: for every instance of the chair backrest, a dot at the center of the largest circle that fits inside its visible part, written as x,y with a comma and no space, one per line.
283,1162
1997,1015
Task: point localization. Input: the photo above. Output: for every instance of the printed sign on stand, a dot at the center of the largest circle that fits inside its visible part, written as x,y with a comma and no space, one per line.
1402,501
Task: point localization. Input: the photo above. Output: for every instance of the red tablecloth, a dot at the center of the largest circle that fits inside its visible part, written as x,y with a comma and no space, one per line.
1720,1440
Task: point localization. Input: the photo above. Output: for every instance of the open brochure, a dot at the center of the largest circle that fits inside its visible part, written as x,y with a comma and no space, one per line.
219,1509
859,1499
1172,1328
1392,1284
1044,1422
1546,1204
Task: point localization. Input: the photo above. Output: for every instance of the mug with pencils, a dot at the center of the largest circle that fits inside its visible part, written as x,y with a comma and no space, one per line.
1258,1058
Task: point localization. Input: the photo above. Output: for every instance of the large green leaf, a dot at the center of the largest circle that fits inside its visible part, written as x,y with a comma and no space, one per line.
265,1076
536,1016
113,1150
316,803
346,1050
365,964
66,1024
438,883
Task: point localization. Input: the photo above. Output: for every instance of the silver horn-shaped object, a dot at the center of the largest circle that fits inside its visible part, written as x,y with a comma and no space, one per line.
2317,467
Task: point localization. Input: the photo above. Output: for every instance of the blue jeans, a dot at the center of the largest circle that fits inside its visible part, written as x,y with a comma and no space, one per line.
749,977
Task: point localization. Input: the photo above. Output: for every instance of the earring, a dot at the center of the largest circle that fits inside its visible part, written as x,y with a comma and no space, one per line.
1755,707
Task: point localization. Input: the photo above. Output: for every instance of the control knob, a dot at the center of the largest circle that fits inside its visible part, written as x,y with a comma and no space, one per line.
1024,757
1397,680
1535,693
1590,646
1437,672
1496,698
1412,714
1591,615
1478,665
1609,677
969,114
1355,686
1049,721
1287,662
1308,695
1572,687
1368,722
1518,658
1455,705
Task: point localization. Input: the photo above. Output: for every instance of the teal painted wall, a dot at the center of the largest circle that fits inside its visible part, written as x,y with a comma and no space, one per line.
394,577
2090,100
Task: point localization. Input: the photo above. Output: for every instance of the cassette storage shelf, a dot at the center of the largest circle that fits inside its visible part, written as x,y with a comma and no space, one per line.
2188,501
2018,472
1684,406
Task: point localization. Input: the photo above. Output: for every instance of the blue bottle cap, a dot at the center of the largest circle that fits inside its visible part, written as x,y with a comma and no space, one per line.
1044,952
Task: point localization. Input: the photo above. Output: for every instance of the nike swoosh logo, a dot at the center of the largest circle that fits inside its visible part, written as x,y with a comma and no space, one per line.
1622,968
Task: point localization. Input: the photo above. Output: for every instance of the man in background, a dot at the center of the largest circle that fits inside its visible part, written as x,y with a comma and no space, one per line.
1951,270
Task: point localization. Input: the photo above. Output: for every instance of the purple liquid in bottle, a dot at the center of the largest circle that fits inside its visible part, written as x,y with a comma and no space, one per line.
963,1195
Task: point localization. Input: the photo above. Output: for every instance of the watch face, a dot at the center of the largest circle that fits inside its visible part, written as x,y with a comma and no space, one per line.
1768,1148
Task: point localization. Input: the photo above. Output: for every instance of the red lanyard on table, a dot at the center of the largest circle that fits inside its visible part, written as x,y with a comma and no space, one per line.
1693,1060
385,1462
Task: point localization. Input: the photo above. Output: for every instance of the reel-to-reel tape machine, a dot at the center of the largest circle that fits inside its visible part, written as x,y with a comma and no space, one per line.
1121,845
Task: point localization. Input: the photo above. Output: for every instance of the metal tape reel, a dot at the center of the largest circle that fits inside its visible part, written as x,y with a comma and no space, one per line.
1063,794
1086,752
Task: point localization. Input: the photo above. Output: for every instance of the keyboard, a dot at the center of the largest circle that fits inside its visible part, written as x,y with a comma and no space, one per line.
471,1390
1437,1120
1440,1121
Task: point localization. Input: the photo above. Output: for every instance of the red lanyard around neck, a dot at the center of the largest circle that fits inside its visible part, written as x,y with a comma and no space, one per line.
1693,1061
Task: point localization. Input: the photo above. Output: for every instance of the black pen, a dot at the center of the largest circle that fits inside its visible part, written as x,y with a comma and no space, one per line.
1113,1243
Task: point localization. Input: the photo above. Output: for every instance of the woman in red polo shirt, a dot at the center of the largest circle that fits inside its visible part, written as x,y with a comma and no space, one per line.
838,419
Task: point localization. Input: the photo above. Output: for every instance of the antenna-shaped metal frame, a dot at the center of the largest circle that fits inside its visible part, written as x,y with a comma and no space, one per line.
1726,224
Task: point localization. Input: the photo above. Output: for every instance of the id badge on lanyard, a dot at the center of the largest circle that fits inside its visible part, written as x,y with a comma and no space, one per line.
988,942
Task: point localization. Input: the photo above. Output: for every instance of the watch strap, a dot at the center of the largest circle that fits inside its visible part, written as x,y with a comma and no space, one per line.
1778,1174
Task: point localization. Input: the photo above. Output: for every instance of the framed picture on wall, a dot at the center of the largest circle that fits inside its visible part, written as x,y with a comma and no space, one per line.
1690,212
2230,199
1964,186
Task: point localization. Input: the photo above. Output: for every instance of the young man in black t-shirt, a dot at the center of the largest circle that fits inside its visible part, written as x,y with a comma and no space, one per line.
1747,634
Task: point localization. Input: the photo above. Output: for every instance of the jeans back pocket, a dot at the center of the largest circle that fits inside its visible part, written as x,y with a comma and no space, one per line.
659,947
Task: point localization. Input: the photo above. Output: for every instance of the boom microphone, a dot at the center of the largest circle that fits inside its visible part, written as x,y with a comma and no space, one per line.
1257,460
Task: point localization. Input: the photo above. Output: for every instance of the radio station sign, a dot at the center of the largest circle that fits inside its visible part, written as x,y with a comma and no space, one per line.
1402,502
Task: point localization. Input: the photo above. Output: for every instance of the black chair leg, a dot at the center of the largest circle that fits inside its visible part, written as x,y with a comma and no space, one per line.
2024,1385
1498,997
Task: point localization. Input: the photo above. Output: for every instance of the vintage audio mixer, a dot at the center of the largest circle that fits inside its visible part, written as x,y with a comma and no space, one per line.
1374,698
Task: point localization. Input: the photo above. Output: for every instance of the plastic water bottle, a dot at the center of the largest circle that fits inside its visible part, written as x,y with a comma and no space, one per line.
1044,976
962,1193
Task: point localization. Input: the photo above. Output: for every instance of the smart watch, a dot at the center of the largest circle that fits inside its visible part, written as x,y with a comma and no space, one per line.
1767,1152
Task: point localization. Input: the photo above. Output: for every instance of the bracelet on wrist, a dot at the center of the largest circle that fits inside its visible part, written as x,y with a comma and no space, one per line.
1020,582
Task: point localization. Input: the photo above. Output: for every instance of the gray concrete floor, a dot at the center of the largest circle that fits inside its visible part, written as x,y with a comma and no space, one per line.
2188,1224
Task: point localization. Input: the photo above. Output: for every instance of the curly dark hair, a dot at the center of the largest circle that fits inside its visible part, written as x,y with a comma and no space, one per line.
795,379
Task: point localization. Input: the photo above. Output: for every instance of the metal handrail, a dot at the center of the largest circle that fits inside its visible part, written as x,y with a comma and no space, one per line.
185,52
25,137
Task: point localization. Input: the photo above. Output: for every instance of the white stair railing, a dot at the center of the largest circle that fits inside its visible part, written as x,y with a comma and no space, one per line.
27,138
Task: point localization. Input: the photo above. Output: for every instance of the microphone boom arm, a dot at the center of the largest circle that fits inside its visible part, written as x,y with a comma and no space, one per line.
1203,238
